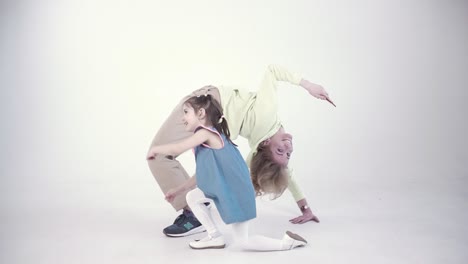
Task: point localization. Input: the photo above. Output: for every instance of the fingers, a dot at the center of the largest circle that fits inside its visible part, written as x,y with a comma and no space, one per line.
298,220
304,219
323,96
330,101
294,221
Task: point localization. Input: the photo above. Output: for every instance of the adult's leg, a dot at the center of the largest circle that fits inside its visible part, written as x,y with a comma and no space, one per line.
168,171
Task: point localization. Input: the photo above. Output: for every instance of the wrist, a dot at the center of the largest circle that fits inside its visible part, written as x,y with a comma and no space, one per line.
303,83
304,208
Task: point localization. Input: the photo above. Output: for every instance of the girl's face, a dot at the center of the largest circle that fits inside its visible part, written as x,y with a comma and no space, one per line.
190,119
280,145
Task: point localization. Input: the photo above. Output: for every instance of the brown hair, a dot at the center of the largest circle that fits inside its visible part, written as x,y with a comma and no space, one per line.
214,113
268,177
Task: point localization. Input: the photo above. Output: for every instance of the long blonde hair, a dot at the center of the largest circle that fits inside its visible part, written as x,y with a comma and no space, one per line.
268,177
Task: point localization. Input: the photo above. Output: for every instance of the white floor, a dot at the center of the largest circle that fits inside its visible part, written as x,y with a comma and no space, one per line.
398,221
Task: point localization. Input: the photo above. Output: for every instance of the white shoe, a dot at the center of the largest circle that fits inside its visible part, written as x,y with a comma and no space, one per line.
208,242
294,240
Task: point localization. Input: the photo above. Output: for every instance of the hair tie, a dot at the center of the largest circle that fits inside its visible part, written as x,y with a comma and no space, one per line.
220,119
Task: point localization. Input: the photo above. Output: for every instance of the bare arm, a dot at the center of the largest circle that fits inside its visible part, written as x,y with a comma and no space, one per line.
180,147
316,90
307,214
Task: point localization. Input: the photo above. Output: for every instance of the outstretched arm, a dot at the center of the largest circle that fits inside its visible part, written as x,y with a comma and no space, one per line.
301,201
180,147
277,73
316,90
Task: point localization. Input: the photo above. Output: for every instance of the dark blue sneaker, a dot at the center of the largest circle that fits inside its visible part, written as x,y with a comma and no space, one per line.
184,225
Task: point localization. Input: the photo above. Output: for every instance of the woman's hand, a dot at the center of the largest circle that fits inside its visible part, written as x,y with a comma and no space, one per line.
306,216
316,91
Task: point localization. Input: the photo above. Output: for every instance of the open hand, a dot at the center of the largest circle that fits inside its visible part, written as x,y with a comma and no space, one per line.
304,218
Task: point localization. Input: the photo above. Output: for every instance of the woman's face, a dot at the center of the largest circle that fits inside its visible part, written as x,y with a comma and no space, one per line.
280,145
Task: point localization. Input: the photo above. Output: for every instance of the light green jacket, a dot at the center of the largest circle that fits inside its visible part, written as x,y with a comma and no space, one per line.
254,115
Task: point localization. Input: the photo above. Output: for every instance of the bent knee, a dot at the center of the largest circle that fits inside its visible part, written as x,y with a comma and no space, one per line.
196,196
193,196
190,196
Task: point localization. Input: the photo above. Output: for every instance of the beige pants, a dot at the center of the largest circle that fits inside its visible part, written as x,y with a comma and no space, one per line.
167,171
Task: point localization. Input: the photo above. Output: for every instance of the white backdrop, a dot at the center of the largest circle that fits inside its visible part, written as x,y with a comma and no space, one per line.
86,84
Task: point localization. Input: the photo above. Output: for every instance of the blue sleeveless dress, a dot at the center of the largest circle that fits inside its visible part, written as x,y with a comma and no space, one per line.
224,177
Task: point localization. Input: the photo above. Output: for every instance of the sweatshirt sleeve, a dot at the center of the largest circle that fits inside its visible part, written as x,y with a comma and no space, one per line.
263,120
266,93
294,188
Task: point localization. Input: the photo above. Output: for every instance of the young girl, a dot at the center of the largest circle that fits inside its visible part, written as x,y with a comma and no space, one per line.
222,177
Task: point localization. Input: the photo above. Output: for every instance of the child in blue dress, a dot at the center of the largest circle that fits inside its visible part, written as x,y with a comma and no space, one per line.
222,177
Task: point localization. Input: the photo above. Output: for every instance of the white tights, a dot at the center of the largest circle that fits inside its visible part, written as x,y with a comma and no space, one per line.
196,200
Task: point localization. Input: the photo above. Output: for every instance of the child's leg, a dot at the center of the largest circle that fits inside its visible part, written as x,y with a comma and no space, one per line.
196,200
263,243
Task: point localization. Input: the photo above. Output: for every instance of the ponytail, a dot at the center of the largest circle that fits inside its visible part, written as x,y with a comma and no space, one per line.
214,113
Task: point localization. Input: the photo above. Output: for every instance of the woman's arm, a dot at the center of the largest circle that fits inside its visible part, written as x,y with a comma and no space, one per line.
277,73
301,201
315,90
307,214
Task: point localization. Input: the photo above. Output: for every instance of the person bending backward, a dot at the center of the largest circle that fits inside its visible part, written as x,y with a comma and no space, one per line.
252,115
222,177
